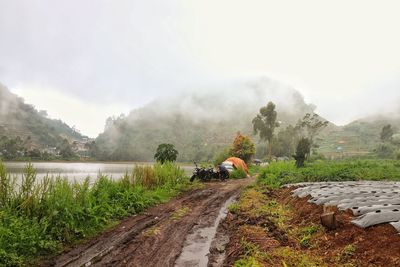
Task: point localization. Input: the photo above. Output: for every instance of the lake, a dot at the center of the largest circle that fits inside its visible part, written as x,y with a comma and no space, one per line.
80,170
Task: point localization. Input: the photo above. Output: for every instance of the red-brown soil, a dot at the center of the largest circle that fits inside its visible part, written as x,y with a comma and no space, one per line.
375,246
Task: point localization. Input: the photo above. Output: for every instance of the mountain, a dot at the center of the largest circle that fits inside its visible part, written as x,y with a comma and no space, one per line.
199,123
36,131
359,137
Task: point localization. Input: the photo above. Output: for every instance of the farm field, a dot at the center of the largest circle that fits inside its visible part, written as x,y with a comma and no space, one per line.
271,226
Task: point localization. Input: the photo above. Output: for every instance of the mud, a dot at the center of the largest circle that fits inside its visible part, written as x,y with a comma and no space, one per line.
197,245
157,237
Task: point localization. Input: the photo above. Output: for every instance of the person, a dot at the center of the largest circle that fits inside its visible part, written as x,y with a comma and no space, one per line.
224,171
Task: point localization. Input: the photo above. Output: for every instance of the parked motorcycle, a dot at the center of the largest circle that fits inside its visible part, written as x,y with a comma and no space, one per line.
207,174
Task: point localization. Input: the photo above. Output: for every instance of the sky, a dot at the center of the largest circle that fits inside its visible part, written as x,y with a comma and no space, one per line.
84,61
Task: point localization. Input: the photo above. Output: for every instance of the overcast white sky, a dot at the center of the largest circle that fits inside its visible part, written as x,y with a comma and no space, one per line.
86,60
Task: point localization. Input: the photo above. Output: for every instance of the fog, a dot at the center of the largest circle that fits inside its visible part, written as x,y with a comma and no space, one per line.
84,61
229,101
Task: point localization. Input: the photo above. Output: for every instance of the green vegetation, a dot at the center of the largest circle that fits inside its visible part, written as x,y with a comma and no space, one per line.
199,125
27,132
39,217
346,253
253,256
293,258
302,150
237,174
306,234
166,153
265,123
280,173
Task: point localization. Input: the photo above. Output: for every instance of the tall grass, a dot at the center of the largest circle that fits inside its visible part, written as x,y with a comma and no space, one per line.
279,173
38,217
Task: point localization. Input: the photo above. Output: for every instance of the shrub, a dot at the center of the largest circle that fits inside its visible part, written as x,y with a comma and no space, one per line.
221,156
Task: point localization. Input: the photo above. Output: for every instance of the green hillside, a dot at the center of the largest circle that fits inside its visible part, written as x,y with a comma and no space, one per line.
30,127
198,124
360,137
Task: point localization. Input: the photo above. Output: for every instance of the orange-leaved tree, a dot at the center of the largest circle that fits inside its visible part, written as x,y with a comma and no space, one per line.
243,147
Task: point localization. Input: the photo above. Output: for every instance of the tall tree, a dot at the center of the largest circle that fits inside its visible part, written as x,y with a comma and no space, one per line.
310,126
302,150
265,123
285,142
387,132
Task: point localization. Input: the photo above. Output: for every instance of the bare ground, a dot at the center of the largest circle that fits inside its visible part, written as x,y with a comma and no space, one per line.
279,245
154,238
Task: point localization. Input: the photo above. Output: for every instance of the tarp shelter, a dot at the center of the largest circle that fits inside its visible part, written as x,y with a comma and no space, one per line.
238,163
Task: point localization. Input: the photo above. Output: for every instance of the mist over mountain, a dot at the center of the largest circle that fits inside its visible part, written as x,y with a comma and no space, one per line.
19,119
197,123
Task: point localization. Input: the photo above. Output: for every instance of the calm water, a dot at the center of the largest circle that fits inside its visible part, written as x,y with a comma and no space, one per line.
80,170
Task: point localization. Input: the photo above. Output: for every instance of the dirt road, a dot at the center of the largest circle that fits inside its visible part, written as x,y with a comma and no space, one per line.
157,237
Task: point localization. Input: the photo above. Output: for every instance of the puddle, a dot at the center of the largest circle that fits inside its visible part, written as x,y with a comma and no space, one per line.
197,244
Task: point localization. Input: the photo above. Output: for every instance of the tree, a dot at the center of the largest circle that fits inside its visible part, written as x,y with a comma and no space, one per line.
243,148
285,142
166,152
265,123
302,150
387,133
310,126
66,151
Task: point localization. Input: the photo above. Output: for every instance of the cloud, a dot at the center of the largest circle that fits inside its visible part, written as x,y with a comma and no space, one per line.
342,56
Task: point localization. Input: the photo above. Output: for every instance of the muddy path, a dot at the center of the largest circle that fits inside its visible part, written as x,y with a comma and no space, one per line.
157,237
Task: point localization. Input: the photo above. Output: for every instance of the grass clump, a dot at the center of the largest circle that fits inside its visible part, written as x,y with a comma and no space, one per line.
238,174
290,257
39,217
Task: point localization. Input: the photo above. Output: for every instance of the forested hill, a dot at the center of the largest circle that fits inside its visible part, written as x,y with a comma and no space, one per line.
198,123
18,119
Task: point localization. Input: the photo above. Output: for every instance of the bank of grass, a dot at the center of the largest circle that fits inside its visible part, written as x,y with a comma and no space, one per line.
280,173
38,218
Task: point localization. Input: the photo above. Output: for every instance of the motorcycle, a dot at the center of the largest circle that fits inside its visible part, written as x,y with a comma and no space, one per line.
207,174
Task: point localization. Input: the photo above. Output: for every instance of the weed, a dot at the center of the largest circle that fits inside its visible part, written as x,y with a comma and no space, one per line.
247,262
178,214
346,253
233,208
293,258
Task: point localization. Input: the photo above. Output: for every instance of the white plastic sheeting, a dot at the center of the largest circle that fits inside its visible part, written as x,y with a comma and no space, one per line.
373,202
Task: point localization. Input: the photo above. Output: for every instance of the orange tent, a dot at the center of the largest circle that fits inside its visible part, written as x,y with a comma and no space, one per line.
238,163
